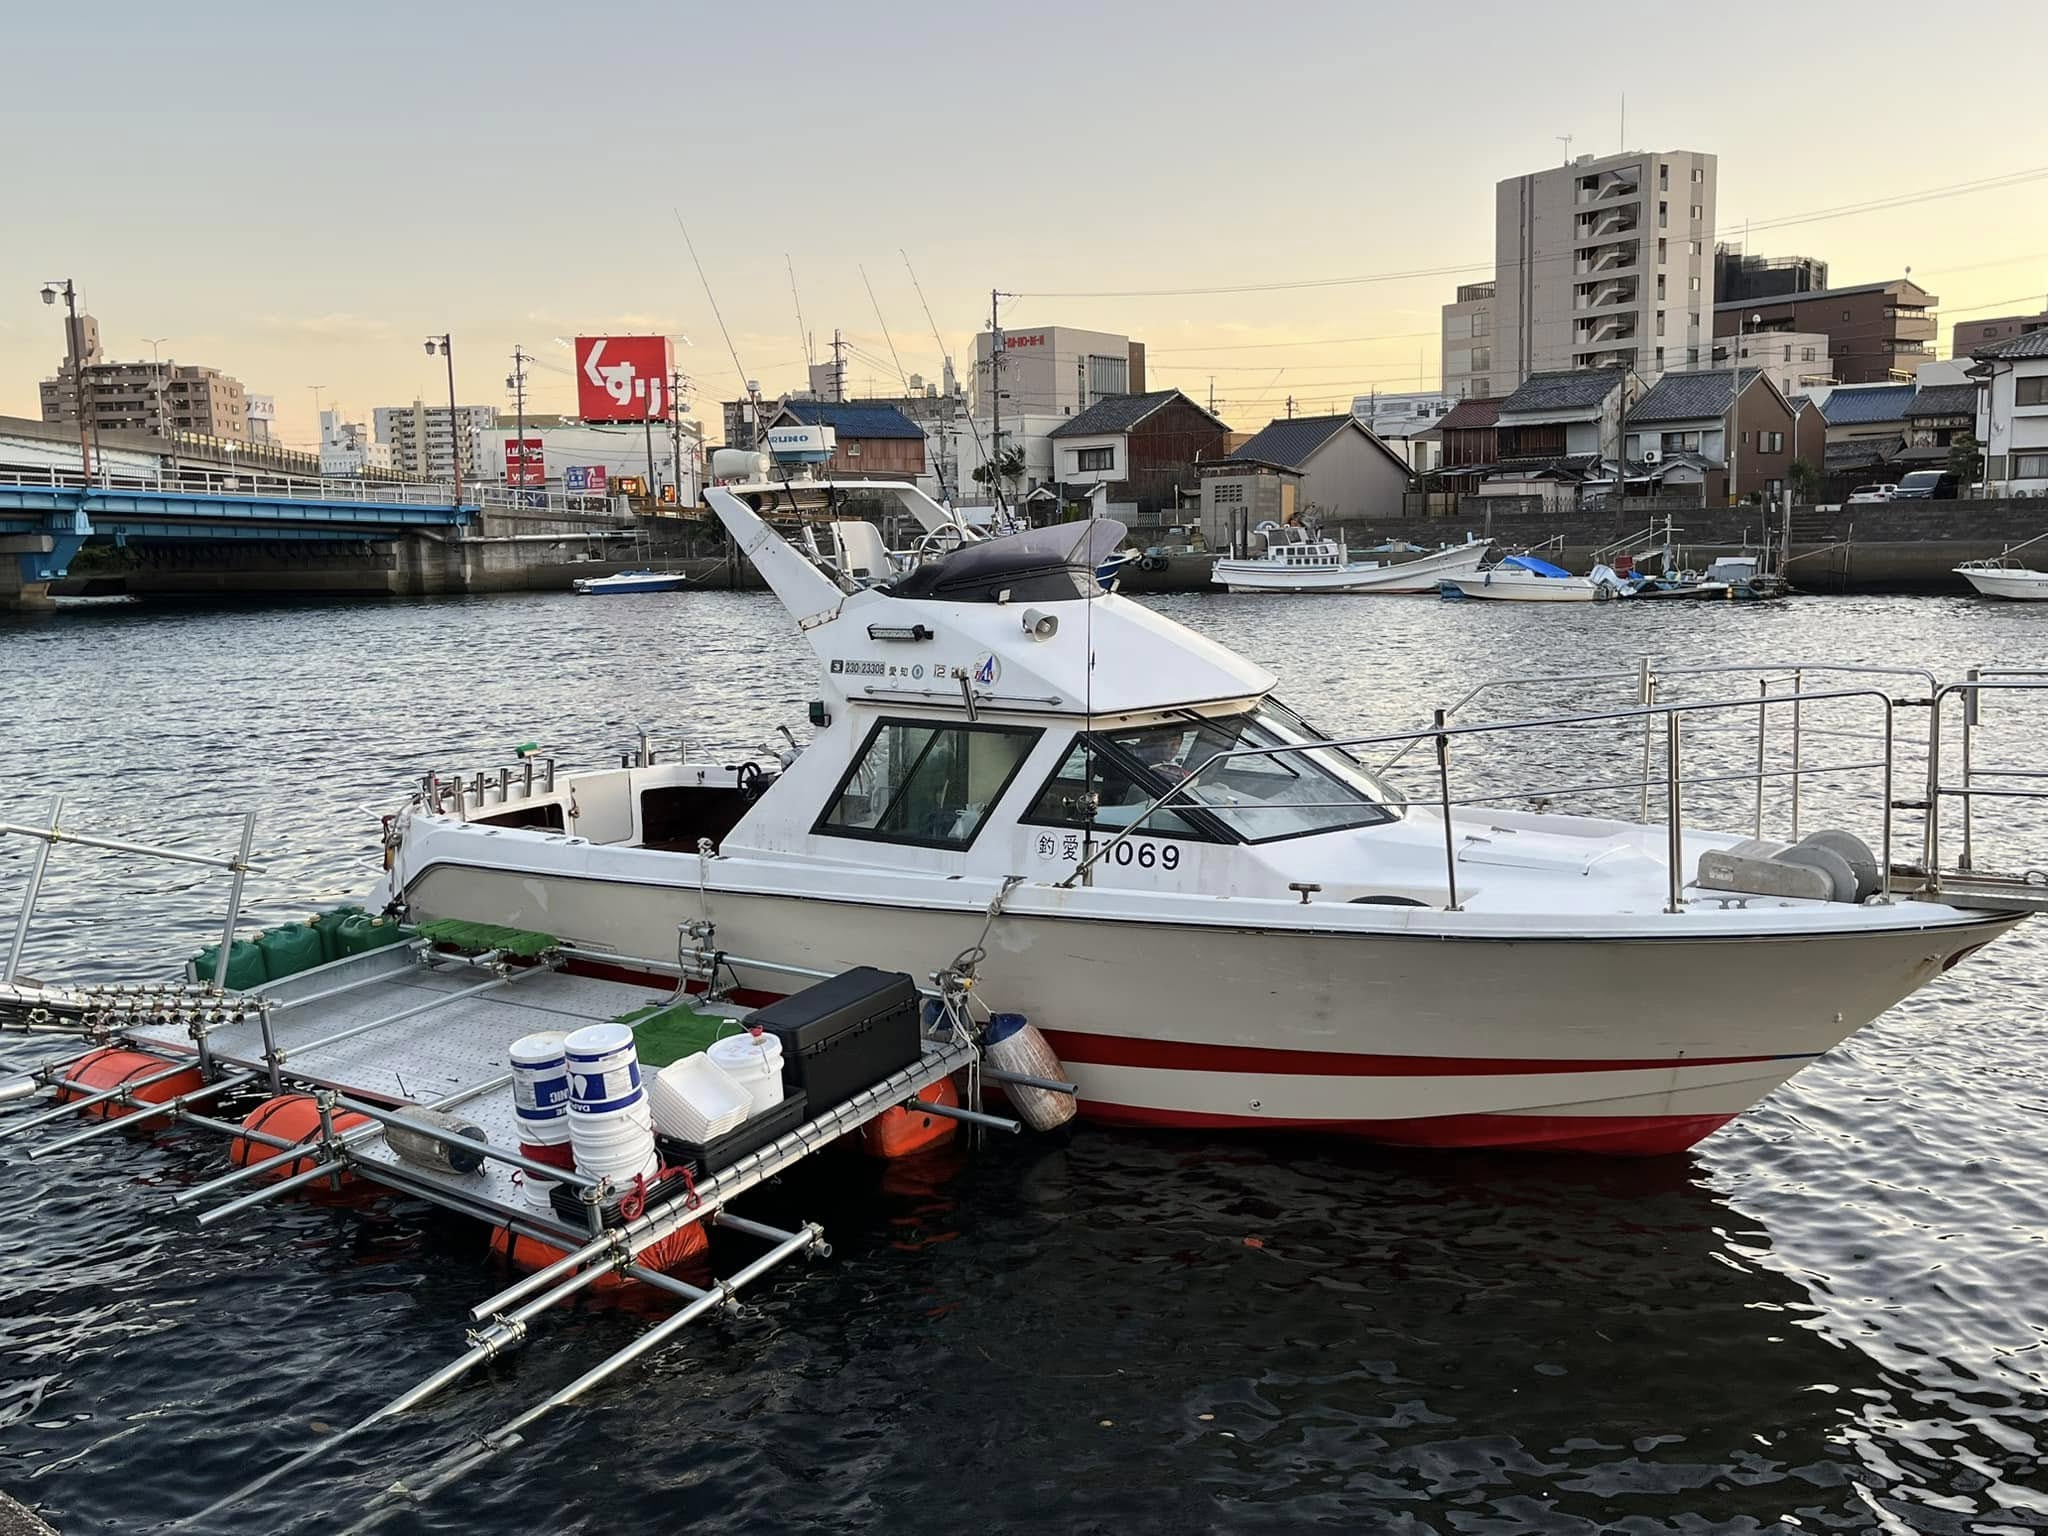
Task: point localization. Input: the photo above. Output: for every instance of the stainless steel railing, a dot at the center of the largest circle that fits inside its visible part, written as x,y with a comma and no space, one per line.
1441,734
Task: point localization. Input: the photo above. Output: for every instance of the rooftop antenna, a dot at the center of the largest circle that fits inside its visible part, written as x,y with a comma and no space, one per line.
1566,140
1622,148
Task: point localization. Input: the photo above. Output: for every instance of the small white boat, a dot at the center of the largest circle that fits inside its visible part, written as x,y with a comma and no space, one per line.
1526,579
1995,578
632,581
1296,562
2003,576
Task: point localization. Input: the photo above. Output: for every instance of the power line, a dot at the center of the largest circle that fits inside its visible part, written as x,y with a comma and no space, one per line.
1845,210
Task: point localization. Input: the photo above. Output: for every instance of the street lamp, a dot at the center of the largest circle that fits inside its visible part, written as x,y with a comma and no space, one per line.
70,292
156,370
443,345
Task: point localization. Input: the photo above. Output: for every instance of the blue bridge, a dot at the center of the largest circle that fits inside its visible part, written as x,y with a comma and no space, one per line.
47,516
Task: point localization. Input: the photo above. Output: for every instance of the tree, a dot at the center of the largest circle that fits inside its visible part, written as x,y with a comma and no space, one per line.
1966,459
1011,463
1805,480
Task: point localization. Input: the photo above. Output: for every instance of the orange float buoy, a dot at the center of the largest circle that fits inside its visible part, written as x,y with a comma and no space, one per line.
115,1065
530,1253
905,1131
293,1117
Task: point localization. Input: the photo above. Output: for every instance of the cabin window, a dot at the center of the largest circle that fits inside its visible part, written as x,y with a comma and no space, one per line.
928,783
1120,791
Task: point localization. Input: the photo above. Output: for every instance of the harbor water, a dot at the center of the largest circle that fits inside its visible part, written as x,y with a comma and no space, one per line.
1831,1316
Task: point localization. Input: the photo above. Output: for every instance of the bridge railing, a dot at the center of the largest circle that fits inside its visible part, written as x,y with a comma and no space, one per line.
192,481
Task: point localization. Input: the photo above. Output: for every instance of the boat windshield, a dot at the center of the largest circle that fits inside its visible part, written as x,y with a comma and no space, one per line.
1260,798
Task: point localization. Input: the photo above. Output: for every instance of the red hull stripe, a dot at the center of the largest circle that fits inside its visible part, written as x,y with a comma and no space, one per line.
1185,1056
1605,1135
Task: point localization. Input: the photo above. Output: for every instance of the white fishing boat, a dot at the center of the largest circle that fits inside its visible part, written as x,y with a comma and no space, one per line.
628,582
2003,576
1299,560
1218,916
1527,579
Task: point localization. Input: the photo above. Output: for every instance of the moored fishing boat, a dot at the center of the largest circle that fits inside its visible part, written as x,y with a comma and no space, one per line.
1299,560
1218,916
1527,579
2003,576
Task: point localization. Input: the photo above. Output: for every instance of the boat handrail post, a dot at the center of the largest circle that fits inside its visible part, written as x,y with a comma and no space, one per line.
1930,850
1798,691
1884,860
234,918
1646,696
1763,689
30,896
1673,831
1970,701
1443,783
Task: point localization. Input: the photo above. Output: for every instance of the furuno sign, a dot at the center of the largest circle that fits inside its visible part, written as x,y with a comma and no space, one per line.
622,378
527,471
1011,343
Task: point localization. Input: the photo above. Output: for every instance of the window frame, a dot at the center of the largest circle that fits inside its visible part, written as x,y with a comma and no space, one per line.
1204,827
823,827
2039,384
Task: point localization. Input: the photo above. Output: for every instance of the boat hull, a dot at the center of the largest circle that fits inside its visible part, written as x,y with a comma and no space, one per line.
2017,585
1408,1039
1408,578
617,586
1503,587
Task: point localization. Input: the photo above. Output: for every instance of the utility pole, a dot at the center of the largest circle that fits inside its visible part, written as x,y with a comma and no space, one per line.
516,382
995,392
77,350
156,374
316,388
838,366
675,432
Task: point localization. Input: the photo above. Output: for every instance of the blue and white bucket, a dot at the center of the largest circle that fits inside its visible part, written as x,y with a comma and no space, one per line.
540,1088
604,1070
610,1124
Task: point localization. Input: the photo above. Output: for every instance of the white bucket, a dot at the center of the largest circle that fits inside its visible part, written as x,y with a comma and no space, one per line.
604,1069
754,1061
540,1088
616,1146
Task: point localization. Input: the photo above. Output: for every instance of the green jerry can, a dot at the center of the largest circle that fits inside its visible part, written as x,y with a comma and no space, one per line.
360,934
328,926
245,965
290,949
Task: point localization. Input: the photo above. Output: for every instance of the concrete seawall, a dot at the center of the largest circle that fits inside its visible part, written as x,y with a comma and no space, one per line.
1896,547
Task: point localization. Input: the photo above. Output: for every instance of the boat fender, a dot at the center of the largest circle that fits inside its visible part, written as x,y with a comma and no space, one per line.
1862,862
527,1254
423,1149
1012,1044
1828,862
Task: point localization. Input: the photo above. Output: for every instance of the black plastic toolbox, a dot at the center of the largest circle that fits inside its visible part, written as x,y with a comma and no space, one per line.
845,1035
704,1158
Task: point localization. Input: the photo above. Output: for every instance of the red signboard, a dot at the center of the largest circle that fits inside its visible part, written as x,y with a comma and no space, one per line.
529,470
622,378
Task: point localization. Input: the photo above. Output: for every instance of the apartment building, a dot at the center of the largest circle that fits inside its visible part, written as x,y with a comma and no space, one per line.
1058,370
421,441
145,396
1970,335
1797,361
1604,262
1739,275
1468,344
1878,333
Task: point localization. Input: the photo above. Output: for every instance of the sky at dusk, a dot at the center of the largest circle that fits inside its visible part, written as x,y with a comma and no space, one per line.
297,194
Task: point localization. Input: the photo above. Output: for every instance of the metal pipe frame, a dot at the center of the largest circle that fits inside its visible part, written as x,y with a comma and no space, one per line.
115,845
1183,790
559,1175
347,1138
240,866
671,1215
33,893
1026,1080
92,1097
173,1107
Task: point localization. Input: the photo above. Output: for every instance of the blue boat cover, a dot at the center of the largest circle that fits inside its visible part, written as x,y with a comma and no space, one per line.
1531,563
